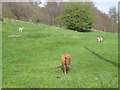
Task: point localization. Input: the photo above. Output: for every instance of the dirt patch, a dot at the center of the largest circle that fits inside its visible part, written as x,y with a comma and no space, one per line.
13,36
76,36
57,27
18,63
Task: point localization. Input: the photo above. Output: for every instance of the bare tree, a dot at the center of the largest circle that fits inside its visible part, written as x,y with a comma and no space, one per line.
119,16
113,14
20,10
114,18
103,22
51,11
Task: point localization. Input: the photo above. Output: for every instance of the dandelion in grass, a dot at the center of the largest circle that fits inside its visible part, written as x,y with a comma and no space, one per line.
96,78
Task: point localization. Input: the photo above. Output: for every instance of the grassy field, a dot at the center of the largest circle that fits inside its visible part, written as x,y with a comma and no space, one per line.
29,61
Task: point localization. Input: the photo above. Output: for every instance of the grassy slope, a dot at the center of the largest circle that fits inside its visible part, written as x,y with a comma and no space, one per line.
30,60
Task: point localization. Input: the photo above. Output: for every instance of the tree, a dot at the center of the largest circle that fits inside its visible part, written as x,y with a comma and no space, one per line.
114,18
32,12
119,15
18,10
21,11
77,16
51,11
113,14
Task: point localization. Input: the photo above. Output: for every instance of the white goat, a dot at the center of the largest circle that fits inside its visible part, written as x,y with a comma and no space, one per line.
20,29
100,39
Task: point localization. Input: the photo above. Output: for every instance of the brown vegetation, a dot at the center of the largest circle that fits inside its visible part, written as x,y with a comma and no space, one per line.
30,12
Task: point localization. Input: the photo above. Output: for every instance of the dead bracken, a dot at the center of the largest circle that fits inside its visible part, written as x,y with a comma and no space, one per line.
76,36
14,36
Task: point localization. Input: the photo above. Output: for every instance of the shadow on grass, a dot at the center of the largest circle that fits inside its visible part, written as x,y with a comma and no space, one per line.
85,31
80,30
111,62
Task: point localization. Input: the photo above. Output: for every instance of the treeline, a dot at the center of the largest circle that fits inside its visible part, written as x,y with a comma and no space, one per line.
30,12
104,22
21,11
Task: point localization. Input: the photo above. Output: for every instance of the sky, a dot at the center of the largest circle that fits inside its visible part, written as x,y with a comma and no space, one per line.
102,5
105,6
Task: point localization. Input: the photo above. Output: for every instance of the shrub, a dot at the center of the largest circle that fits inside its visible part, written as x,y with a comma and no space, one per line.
77,16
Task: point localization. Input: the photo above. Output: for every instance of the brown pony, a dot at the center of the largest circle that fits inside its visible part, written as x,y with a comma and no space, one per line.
65,60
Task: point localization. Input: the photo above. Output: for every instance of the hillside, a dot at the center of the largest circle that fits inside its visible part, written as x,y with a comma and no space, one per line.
29,61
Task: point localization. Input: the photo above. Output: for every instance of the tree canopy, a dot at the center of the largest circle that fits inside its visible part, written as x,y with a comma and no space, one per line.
77,16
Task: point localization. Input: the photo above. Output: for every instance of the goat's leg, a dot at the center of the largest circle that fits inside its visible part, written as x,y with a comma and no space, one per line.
64,69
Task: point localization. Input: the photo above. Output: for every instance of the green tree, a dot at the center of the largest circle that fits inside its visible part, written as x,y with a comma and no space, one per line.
77,16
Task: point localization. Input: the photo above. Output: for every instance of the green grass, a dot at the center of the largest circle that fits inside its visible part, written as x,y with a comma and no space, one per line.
29,61
0,55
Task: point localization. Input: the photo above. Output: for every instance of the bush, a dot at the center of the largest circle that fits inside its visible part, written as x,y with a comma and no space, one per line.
77,16
35,19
